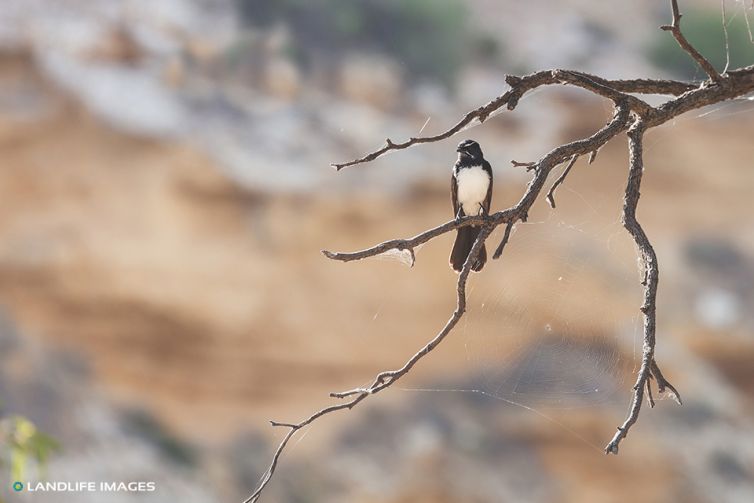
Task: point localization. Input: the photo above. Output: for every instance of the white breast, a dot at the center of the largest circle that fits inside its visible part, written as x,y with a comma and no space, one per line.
472,188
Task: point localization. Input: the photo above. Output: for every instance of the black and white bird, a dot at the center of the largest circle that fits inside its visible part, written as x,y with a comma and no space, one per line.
471,192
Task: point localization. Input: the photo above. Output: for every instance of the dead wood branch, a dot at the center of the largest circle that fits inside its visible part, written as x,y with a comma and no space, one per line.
675,29
631,114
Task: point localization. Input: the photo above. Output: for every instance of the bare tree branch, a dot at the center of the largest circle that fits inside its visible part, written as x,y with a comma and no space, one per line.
651,280
630,114
645,86
706,95
675,29
411,243
663,386
528,165
650,397
384,379
510,99
503,242
561,179
542,168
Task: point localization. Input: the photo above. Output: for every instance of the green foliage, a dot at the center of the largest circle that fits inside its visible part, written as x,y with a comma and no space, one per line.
704,29
24,443
430,38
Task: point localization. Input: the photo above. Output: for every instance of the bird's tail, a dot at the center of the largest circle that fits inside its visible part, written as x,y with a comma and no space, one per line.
465,238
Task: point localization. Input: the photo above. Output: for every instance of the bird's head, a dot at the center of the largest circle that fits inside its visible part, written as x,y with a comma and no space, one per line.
470,150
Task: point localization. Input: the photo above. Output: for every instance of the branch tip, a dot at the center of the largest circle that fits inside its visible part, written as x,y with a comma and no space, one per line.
650,398
286,425
528,165
560,180
503,241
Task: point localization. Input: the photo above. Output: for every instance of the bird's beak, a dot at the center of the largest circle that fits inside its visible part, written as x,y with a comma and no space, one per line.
459,149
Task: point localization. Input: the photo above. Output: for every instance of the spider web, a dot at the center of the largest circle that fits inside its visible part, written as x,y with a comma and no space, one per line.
542,332
553,328
539,334
550,342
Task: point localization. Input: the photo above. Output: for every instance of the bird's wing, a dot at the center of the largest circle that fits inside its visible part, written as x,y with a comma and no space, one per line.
488,198
454,193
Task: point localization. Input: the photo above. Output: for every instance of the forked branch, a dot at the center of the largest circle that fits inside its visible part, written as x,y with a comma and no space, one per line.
675,29
560,180
651,275
631,114
384,379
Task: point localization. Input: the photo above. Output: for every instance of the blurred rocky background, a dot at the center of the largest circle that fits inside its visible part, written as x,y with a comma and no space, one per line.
165,192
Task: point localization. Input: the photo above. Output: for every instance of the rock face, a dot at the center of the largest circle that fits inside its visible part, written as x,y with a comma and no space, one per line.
282,79
162,291
372,80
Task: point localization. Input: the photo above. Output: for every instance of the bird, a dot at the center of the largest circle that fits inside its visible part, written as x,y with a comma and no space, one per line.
471,194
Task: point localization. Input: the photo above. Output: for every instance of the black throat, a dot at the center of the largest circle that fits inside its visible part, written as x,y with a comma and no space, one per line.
467,161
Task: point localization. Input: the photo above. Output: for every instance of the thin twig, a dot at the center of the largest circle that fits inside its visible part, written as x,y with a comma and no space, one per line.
561,178
675,29
293,429
663,386
384,379
528,165
503,242
650,397
519,87
411,243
